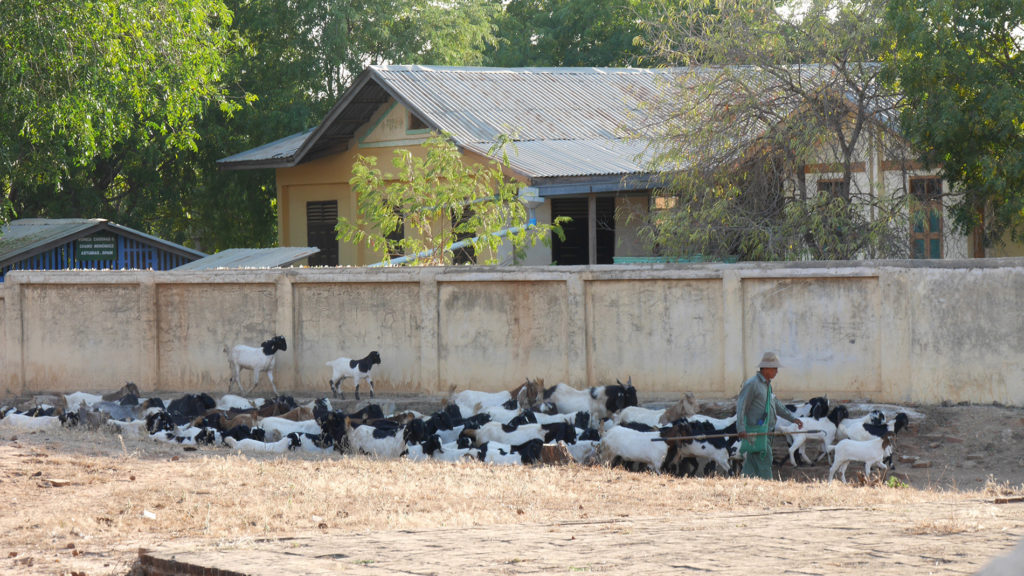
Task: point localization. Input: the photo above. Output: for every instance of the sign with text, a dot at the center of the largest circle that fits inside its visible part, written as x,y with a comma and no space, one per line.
98,247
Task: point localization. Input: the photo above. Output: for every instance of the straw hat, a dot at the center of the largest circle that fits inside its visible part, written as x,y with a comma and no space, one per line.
769,360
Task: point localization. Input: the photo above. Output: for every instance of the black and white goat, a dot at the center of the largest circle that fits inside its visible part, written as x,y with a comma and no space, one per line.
656,450
872,425
259,360
600,401
815,428
358,370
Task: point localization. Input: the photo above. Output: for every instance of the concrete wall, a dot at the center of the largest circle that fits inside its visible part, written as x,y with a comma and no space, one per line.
894,331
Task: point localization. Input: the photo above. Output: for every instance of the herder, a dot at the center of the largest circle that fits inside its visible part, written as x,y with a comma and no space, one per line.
756,409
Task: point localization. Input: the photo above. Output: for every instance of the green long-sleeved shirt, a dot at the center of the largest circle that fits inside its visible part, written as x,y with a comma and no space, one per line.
750,405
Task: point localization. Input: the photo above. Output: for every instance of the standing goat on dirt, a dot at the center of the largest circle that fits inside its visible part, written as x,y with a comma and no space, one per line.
256,359
356,369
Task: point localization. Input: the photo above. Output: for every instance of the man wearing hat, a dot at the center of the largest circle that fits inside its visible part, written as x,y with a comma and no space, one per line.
756,408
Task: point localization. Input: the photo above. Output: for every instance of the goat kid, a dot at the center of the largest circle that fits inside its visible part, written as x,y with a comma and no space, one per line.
259,360
358,370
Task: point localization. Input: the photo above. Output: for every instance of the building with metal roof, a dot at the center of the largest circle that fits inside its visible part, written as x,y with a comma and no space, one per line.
569,147
570,150
85,243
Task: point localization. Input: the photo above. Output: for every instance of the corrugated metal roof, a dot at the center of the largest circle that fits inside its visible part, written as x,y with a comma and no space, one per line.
264,156
252,258
569,158
567,122
479,104
29,236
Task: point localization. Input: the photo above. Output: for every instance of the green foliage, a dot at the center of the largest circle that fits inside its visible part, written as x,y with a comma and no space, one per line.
960,66
80,79
765,90
894,482
432,202
568,33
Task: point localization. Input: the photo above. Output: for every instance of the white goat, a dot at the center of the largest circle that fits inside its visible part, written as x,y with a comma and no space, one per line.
250,445
718,423
76,399
450,452
584,451
277,427
232,402
473,402
361,440
24,423
259,360
871,452
634,446
639,415
358,370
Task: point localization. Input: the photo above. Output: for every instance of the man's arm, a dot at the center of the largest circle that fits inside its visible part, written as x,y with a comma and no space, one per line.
781,410
742,403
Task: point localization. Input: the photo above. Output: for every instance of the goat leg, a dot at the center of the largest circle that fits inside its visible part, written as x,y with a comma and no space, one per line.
270,376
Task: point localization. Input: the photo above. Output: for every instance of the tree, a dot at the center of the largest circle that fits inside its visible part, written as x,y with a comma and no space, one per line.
434,201
106,111
568,33
960,67
762,91
82,84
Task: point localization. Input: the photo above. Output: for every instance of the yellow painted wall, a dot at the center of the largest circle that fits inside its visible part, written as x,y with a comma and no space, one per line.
328,178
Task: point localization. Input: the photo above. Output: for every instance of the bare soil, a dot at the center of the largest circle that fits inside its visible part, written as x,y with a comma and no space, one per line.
84,502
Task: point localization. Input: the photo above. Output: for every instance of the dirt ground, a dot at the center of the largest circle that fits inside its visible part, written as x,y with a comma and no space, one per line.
85,502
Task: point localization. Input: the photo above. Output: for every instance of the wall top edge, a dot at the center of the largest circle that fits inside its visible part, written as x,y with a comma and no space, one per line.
862,268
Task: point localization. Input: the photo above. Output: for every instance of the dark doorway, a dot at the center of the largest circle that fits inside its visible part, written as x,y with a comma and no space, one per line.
575,249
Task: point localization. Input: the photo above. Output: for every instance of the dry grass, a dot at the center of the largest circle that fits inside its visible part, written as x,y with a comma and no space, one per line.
124,494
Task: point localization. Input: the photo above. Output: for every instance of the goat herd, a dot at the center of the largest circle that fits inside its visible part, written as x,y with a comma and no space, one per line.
530,424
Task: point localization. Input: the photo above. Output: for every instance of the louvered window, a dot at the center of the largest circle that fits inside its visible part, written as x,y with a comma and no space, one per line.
321,218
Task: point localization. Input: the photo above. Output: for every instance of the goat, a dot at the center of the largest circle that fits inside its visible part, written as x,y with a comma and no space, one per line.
129,389
686,407
874,452
648,448
473,402
854,427
190,436
816,407
425,449
649,416
707,450
505,434
277,427
259,360
718,423
232,402
869,430
452,452
501,453
600,401
185,409
26,423
826,429
358,370
283,445
381,442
